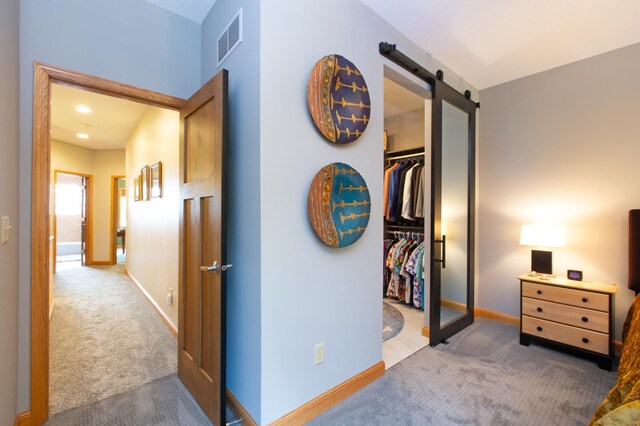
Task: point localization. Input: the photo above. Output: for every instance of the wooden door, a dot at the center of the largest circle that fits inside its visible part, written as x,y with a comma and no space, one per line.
83,223
201,351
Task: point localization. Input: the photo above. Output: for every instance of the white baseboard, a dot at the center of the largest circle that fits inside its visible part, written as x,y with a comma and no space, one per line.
170,325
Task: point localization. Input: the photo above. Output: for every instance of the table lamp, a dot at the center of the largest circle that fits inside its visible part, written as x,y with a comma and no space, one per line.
542,236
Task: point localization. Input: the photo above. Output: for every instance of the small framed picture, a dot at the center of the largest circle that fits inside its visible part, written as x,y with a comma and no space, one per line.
156,180
144,183
136,189
574,275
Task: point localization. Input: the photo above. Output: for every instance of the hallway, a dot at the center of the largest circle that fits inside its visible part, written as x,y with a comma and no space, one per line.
105,338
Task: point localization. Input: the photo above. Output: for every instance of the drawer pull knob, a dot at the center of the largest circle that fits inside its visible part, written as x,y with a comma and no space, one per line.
539,309
539,291
585,319
539,328
585,340
585,300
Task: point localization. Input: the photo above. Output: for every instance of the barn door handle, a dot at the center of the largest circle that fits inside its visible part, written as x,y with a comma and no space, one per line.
443,260
215,267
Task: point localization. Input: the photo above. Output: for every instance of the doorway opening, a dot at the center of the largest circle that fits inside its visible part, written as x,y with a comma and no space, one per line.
72,220
46,78
118,219
94,138
407,125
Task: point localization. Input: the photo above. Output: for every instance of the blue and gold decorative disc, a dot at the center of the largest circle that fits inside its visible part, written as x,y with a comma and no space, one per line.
338,99
339,205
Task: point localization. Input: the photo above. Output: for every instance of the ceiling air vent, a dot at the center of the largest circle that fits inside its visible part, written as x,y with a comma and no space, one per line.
230,37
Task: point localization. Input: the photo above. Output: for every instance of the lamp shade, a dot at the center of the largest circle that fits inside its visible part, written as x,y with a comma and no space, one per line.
542,236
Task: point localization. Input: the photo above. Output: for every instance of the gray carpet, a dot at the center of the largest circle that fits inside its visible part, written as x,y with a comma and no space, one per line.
482,377
105,338
163,402
392,321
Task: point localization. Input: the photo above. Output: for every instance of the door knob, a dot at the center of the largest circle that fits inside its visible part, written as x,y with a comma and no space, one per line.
215,267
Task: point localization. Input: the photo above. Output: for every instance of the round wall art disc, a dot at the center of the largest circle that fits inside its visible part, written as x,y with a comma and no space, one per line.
339,205
338,99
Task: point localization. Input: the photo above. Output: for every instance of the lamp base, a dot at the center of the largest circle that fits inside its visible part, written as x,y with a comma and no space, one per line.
540,275
541,262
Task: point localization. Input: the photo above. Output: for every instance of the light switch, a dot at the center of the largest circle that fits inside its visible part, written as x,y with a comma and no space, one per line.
5,229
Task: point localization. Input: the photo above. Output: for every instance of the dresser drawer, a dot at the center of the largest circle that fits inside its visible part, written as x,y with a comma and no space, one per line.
579,317
567,296
573,336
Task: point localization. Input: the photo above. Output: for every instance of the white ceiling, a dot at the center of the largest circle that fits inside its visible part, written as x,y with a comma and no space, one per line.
109,125
194,10
488,42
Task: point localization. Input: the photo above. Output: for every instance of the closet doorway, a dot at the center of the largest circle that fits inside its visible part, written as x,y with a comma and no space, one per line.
451,262
118,219
407,124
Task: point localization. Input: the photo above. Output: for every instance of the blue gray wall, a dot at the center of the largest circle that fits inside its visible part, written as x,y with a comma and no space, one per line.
560,147
129,41
243,195
9,80
311,293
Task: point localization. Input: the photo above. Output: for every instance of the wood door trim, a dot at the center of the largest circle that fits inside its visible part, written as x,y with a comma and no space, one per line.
238,410
113,239
89,224
44,76
110,88
425,331
23,419
165,319
323,402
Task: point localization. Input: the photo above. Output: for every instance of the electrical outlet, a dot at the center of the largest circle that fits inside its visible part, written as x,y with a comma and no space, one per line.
319,354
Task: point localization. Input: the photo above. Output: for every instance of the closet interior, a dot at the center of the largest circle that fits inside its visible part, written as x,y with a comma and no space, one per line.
407,132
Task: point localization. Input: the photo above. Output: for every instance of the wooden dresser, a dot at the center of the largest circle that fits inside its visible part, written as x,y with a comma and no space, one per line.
577,316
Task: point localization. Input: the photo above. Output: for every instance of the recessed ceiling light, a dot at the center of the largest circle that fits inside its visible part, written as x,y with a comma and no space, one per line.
83,109
82,136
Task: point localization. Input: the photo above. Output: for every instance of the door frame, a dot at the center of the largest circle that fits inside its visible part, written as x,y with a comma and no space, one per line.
44,76
444,92
89,218
113,244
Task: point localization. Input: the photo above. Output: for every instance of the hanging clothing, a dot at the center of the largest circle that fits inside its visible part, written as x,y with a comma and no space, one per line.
407,193
386,274
414,268
414,188
404,279
396,182
403,177
387,175
401,188
419,211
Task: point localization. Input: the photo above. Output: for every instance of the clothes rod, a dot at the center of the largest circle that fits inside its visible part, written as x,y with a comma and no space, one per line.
391,228
398,157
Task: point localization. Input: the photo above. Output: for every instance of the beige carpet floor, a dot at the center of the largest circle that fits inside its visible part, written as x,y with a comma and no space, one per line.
105,338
